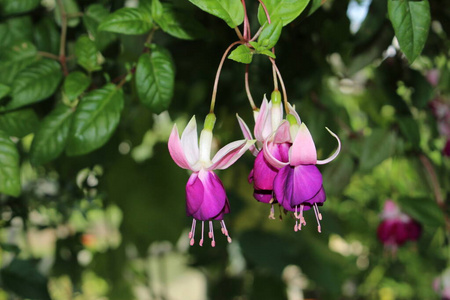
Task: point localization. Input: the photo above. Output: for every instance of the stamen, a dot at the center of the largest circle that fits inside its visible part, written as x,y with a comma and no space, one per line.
210,234
317,218
272,213
192,233
302,219
295,213
203,230
296,225
318,212
225,231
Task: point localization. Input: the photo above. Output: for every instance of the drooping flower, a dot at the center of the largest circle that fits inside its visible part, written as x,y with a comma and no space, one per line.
396,227
206,199
441,285
298,184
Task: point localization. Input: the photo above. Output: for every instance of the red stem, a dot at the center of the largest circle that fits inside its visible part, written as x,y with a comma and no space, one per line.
265,10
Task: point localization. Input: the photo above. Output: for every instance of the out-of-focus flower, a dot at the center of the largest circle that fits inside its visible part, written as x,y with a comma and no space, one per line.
441,285
441,110
206,199
298,184
396,227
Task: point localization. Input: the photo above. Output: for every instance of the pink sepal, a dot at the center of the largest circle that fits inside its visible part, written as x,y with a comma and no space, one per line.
231,152
303,150
282,135
189,141
176,149
335,154
247,134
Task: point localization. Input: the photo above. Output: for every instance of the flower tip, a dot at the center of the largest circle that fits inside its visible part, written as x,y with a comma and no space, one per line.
192,242
213,243
335,154
229,240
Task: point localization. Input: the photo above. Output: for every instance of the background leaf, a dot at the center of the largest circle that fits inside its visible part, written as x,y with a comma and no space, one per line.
423,210
47,36
19,123
411,22
4,90
14,58
285,10
51,138
15,30
71,8
180,24
9,166
75,84
86,53
376,148
95,119
35,83
11,7
155,76
230,11
127,21
92,17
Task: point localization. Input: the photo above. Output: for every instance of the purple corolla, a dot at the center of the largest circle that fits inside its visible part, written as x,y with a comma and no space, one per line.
298,183
206,199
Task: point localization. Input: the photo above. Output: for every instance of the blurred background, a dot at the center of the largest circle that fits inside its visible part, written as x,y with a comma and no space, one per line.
112,224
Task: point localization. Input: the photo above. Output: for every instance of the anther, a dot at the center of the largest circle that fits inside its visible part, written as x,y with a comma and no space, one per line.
203,231
272,213
318,212
317,218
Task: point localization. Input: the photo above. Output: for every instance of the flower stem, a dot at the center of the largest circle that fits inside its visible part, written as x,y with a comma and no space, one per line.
247,89
48,55
265,10
238,33
62,44
283,88
219,69
247,32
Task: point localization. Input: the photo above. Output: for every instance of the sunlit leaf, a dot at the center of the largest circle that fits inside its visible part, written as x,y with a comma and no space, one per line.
35,83
270,34
155,76
51,137
95,119
127,20
411,22
19,123
231,11
9,166
285,10
241,54
86,53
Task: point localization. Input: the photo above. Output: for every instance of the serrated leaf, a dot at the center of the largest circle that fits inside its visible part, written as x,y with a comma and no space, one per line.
51,138
47,36
180,24
155,76
127,20
35,83
70,8
12,7
4,90
75,84
411,22
270,34
9,166
424,210
376,148
241,54
86,53
92,17
95,120
15,30
19,123
23,278
231,11
285,10
15,58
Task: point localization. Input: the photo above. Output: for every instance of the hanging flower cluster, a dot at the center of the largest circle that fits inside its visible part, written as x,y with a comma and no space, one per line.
284,172
396,227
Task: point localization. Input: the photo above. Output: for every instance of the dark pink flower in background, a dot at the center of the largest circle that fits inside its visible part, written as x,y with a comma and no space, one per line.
396,227
441,285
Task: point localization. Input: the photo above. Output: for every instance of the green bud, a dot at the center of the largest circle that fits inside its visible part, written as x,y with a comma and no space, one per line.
291,119
210,120
275,97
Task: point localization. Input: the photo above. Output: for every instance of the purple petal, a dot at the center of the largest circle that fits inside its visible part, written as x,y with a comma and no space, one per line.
283,186
318,199
271,159
205,196
307,183
263,173
264,196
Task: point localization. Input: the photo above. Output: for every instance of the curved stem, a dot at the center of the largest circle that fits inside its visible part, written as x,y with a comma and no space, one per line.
257,34
238,33
283,88
247,89
216,80
265,10
247,33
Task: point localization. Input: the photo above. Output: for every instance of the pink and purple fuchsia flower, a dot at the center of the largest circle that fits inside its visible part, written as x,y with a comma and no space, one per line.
206,199
396,227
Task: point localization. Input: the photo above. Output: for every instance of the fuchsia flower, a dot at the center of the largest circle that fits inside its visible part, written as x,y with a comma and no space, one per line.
396,227
206,199
441,285
298,184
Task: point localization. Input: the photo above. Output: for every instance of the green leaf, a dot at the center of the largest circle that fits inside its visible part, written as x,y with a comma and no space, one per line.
285,10
424,210
75,84
241,54
376,148
10,248
410,130
35,83
51,138
315,5
157,10
12,7
180,24
9,166
266,52
47,36
270,34
19,123
127,20
411,22
15,30
423,91
4,90
155,76
92,17
95,120
71,8
231,11
15,58
86,53
23,278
